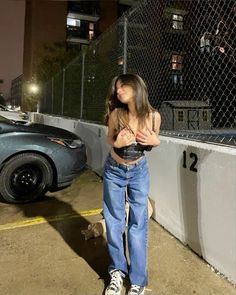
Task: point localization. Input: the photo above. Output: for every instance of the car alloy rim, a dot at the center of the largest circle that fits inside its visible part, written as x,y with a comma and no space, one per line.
26,179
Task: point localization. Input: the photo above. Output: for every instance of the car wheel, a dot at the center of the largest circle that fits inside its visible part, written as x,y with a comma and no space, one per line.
25,177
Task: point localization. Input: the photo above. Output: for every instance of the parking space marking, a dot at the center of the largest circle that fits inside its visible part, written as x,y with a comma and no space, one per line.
40,219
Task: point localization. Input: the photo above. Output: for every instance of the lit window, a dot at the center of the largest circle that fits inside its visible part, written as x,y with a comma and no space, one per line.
91,35
177,22
91,26
180,117
177,62
73,22
205,44
177,79
91,31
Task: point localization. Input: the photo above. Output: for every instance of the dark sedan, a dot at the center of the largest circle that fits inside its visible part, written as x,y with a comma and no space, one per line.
35,158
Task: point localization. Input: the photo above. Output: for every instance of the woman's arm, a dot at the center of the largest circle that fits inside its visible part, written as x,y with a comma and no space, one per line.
111,128
157,122
157,127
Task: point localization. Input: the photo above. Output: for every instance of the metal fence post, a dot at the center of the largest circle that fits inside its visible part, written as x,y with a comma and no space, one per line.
125,46
63,91
82,87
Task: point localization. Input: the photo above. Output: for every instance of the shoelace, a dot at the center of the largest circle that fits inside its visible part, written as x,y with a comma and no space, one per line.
135,289
115,281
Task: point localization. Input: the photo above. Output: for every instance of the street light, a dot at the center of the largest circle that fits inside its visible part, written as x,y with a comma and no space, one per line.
33,88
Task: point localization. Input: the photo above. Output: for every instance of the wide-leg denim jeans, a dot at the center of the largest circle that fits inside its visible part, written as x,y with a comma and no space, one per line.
118,178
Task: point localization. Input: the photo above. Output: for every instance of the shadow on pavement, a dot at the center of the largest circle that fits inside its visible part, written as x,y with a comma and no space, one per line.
93,251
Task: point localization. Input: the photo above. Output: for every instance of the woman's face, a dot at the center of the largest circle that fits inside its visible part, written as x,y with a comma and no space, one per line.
125,93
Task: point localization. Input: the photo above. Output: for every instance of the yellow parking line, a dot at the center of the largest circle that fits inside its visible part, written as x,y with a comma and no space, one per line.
40,219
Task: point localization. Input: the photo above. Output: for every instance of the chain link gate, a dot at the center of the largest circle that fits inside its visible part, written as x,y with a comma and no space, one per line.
184,50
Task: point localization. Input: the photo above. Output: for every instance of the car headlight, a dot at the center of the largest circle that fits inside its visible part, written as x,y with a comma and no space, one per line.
73,144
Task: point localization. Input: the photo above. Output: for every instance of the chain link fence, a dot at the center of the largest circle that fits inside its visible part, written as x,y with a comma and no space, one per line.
184,50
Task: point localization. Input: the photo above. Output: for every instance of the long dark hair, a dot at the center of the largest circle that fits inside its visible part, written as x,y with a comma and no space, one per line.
142,105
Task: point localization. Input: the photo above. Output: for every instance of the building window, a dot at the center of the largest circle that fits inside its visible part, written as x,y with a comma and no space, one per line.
91,31
205,44
91,26
177,22
204,116
177,79
177,62
180,116
72,22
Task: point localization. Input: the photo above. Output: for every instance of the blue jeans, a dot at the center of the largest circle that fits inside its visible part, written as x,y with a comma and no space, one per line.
116,179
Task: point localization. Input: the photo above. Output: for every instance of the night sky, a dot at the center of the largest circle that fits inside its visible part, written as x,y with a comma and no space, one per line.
12,13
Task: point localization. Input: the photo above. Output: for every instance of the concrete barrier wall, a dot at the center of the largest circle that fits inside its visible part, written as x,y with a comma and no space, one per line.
193,188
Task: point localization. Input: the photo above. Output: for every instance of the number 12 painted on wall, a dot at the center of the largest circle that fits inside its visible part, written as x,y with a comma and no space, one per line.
194,162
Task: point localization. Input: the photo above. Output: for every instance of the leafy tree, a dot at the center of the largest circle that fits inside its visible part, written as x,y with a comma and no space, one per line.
52,58
50,61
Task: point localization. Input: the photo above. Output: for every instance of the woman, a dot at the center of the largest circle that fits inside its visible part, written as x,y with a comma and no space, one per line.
133,127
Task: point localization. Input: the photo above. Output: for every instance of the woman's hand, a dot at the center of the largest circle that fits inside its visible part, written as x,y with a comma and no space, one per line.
147,138
124,138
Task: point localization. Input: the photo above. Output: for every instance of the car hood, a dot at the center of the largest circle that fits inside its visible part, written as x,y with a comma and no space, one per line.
49,130
15,116
38,128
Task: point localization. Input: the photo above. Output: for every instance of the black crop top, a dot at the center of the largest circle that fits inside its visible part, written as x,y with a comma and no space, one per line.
132,152
135,150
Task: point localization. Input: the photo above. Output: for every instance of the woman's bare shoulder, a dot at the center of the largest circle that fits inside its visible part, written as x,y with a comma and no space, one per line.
113,116
155,120
157,115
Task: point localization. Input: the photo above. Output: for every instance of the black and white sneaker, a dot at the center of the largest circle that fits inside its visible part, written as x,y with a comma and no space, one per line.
116,283
136,290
